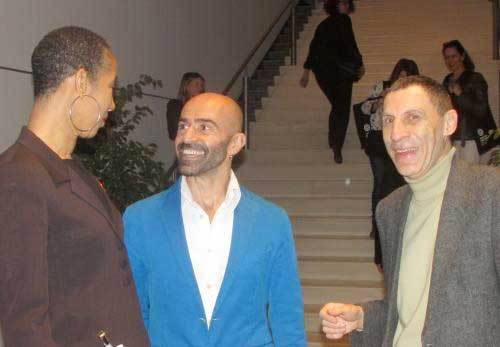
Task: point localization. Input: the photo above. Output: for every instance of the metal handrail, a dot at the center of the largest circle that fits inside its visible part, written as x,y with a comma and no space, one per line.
6,68
291,4
256,47
495,4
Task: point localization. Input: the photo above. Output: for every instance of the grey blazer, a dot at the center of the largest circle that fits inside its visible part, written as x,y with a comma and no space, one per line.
464,297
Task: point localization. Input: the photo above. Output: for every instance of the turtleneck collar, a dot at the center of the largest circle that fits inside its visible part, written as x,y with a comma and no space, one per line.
434,182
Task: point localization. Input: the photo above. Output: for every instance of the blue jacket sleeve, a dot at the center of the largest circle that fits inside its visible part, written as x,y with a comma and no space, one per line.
133,241
286,307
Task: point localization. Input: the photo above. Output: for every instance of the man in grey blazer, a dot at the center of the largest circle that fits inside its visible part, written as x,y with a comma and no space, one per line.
440,236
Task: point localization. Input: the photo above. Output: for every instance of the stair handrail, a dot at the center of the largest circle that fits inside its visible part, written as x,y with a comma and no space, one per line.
249,57
495,7
291,5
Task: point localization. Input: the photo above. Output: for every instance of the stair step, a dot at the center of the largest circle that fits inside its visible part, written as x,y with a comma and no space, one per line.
300,141
319,340
332,228
335,274
323,205
334,172
316,297
304,157
335,248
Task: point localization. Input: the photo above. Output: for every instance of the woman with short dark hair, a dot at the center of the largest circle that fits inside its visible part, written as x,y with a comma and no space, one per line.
64,272
469,92
336,62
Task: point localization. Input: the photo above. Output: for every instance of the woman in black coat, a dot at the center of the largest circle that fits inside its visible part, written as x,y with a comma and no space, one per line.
469,93
336,62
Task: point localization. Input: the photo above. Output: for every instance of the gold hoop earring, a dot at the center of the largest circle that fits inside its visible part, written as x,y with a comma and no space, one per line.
98,112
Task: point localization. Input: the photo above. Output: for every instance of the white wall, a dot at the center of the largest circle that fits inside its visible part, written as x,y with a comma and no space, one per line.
162,38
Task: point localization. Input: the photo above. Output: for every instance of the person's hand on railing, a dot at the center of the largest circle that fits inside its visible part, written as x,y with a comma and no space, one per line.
304,80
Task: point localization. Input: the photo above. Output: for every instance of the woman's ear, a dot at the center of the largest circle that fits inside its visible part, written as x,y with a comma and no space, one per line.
81,81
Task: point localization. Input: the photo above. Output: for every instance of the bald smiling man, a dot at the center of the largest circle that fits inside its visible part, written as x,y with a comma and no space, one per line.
214,264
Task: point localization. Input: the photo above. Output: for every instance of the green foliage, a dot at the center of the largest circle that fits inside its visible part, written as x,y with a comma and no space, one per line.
126,168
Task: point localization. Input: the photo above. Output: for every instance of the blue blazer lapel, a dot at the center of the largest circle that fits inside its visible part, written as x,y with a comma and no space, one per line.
171,214
242,232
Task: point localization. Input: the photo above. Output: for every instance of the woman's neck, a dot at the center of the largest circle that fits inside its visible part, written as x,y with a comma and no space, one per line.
457,73
53,130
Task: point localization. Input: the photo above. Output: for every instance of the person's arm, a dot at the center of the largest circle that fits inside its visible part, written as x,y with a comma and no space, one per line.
173,113
472,100
135,251
315,47
286,308
24,288
348,43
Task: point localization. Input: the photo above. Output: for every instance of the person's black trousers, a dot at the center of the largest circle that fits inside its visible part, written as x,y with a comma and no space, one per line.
339,93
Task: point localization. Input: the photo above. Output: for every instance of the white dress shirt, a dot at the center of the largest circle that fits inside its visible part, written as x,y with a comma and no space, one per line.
209,243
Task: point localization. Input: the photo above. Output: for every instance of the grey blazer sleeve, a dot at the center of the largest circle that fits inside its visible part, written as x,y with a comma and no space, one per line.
375,318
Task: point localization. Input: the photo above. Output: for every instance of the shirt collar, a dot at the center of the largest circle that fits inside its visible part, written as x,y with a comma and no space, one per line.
233,193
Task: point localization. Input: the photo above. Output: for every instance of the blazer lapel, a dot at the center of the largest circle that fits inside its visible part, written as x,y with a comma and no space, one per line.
82,189
242,231
447,243
171,214
399,226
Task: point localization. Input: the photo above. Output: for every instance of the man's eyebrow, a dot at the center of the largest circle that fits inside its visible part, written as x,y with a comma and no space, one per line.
414,111
200,120
407,112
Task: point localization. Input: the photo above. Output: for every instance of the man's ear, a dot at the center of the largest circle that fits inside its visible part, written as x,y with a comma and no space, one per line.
450,122
237,142
81,81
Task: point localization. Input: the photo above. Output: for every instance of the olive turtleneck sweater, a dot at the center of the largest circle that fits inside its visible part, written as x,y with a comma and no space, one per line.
419,239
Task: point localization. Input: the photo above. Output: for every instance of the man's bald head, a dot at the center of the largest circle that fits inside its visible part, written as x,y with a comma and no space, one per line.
209,134
224,108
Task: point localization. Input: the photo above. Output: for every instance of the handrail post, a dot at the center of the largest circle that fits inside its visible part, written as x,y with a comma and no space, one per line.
245,111
496,28
293,58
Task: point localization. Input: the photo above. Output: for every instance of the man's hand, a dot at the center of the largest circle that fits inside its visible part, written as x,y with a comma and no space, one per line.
304,80
340,319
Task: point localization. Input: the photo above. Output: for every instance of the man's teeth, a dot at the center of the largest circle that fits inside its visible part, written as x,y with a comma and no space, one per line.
406,150
192,152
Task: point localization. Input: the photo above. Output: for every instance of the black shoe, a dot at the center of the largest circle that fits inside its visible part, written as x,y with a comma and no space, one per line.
337,156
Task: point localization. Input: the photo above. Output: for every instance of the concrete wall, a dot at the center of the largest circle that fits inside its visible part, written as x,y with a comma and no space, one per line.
162,38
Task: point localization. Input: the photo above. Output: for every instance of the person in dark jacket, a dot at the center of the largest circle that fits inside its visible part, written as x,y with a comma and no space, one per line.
336,62
469,93
192,84
385,175
64,271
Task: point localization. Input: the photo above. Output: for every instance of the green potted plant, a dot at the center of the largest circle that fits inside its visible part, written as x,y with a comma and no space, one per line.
126,168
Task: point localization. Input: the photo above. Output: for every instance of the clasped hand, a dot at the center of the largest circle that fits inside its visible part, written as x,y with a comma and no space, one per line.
339,319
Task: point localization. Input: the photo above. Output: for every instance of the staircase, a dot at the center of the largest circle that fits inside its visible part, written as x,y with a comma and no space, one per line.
289,161
269,67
